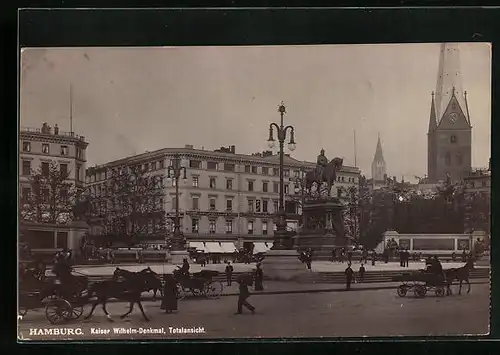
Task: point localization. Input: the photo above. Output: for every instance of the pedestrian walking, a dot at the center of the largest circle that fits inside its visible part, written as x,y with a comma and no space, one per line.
259,277
334,255
349,256
169,300
244,281
361,273
374,256
401,258
229,273
407,258
349,277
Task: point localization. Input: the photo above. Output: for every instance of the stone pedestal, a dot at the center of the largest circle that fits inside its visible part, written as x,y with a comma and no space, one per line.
284,265
178,256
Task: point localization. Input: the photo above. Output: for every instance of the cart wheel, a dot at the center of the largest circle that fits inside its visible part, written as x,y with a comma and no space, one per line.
76,312
439,291
213,289
56,310
402,290
420,291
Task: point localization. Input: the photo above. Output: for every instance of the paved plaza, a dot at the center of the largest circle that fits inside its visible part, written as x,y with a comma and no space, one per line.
325,314
317,266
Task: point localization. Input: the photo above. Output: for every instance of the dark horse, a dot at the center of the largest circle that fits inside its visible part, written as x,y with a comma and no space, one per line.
152,281
328,175
460,274
129,289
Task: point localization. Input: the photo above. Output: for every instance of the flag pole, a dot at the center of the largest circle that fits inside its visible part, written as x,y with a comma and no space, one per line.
355,155
71,108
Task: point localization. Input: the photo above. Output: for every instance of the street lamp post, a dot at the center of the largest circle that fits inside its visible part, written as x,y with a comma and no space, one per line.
174,172
279,235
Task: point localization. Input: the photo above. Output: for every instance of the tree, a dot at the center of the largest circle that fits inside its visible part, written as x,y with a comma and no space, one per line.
51,196
351,212
128,207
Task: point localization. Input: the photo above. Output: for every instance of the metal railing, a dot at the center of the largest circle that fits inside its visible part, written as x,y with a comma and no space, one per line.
51,131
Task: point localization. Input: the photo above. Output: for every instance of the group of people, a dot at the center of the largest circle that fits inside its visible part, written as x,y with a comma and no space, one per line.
404,258
350,275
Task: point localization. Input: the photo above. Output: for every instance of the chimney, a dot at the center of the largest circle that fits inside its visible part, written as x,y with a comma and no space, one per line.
233,149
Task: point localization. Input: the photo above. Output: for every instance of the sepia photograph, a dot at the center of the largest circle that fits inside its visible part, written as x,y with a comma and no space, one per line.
242,192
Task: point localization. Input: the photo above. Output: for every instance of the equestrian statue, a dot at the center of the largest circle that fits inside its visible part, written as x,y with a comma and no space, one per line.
324,172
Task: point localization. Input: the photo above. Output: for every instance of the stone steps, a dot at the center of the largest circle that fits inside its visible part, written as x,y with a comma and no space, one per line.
339,277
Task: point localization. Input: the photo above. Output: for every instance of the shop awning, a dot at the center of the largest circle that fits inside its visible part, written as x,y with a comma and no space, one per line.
199,246
259,248
213,247
228,247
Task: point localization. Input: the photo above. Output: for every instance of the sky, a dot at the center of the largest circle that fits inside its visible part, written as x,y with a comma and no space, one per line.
130,100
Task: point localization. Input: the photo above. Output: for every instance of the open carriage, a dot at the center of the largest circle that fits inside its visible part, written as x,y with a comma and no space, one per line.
198,284
420,282
62,302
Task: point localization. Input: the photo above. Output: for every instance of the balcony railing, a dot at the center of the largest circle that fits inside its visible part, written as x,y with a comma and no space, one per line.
52,133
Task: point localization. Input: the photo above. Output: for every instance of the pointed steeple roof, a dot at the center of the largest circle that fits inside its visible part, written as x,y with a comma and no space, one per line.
449,79
378,151
432,118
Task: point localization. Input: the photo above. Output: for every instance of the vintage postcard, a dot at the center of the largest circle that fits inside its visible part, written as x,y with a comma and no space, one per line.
254,191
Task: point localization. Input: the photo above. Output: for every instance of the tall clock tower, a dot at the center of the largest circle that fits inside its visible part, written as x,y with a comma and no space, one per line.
449,135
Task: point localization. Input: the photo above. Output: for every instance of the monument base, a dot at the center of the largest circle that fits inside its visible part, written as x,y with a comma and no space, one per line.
178,256
284,265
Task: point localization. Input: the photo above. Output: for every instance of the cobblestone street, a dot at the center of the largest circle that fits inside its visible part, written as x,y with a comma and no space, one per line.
327,314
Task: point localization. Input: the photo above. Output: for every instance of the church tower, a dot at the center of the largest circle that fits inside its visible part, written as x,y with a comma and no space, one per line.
449,136
379,169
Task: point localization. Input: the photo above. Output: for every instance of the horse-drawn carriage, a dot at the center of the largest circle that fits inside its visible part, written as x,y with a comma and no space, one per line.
198,284
421,282
62,302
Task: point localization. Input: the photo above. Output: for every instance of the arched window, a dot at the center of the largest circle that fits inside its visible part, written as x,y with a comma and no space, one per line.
447,159
453,139
459,158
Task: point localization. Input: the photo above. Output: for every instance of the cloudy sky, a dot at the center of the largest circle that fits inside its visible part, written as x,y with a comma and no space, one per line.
129,100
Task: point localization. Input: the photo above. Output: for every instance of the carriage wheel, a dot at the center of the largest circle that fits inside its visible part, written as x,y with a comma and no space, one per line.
402,290
439,291
213,289
56,310
420,291
75,313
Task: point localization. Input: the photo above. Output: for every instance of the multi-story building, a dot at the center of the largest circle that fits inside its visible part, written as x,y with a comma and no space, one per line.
38,148
226,197
478,201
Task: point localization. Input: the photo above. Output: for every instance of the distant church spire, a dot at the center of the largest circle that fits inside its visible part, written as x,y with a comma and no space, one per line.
449,81
378,164
432,118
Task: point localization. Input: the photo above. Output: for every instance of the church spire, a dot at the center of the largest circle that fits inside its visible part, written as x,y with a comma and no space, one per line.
378,151
449,81
432,118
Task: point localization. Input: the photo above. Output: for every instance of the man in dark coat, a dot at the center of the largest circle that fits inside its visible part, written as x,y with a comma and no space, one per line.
243,280
169,300
229,273
349,277
185,267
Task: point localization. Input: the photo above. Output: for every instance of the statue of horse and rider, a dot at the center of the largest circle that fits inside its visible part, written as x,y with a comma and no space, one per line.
325,171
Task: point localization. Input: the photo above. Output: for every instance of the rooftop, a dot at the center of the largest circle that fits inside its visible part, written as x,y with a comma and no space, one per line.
46,130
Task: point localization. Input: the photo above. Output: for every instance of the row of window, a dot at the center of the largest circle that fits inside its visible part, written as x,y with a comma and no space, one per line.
26,169
63,149
62,195
253,205
212,226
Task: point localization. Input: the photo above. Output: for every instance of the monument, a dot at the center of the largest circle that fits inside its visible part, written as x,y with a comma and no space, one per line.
323,229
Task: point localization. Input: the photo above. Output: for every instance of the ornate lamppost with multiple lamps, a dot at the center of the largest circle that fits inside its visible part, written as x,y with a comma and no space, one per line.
282,262
279,236
178,244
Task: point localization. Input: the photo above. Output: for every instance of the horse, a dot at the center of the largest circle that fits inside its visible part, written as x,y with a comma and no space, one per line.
328,175
152,281
129,289
460,274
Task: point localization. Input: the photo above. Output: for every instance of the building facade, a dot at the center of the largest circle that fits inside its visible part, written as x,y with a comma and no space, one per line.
449,135
38,149
478,201
225,196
